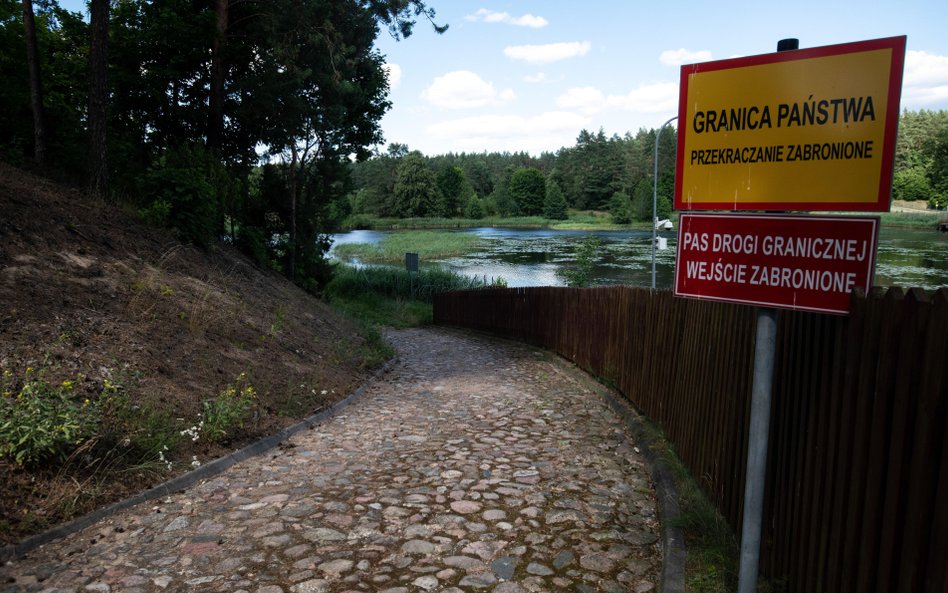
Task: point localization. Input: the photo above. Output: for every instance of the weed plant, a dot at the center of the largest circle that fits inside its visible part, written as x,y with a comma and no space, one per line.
712,559
42,421
579,275
225,413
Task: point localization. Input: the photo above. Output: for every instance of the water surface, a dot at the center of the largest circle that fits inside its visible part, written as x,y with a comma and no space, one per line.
531,257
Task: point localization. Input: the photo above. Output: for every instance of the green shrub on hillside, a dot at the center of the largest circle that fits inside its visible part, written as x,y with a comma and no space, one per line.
42,421
187,186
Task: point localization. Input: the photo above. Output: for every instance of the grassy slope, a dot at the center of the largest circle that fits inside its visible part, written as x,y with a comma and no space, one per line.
90,296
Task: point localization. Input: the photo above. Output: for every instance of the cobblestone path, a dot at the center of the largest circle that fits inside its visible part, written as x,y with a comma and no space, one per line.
474,465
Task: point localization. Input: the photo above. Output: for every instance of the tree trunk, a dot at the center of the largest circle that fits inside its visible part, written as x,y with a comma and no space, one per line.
99,98
215,124
36,88
294,188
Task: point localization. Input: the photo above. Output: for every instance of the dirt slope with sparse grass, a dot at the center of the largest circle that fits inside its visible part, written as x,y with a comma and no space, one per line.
107,312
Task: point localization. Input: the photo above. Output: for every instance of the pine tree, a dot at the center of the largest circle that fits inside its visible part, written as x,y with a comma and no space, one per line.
554,207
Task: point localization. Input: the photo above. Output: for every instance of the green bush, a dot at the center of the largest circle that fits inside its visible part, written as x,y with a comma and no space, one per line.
157,214
911,184
42,422
187,186
474,209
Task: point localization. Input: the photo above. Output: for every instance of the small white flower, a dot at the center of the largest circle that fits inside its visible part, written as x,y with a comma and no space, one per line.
194,462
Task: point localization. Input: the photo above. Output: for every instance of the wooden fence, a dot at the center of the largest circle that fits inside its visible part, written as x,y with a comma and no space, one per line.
857,481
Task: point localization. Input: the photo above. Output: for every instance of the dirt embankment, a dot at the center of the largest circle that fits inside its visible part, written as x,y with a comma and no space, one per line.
90,294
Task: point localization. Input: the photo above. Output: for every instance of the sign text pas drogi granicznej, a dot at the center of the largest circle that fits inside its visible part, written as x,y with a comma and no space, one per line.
808,263
810,129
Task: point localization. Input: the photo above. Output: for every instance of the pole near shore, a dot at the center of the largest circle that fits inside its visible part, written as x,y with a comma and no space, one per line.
765,348
655,196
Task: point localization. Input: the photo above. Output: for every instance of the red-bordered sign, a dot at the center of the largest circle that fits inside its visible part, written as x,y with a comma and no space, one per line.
810,129
808,263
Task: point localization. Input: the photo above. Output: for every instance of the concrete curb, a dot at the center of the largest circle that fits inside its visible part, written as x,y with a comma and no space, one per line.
673,539
208,470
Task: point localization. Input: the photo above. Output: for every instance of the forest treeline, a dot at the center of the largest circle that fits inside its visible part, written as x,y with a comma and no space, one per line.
606,173
257,123
613,174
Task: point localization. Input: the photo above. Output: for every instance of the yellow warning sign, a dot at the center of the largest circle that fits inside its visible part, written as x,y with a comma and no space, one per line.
811,129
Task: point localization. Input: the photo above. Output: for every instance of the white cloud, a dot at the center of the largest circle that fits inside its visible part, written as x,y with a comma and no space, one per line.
925,79
535,78
586,99
657,97
526,20
529,20
463,89
648,98
678,57
533,134
550,52
394,74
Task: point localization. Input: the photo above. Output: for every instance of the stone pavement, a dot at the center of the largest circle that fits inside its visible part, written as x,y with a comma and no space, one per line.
473,465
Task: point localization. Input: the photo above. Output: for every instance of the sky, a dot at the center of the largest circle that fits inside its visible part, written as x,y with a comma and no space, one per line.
530,75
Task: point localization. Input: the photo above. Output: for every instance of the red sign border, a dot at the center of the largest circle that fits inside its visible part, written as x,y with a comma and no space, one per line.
896,44
875,220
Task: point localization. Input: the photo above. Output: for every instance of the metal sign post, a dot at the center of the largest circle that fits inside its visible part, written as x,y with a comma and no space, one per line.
758,434
757,439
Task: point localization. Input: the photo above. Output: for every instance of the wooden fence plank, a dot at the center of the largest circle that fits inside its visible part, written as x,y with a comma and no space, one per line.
884,449
922,504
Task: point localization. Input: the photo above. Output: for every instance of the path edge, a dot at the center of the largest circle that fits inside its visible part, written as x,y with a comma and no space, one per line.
185,480
673,538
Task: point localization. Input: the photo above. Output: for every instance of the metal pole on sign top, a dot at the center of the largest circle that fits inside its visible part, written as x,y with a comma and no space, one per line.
758,432
655,195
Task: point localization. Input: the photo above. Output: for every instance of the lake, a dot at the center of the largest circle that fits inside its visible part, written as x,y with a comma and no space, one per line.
531,257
